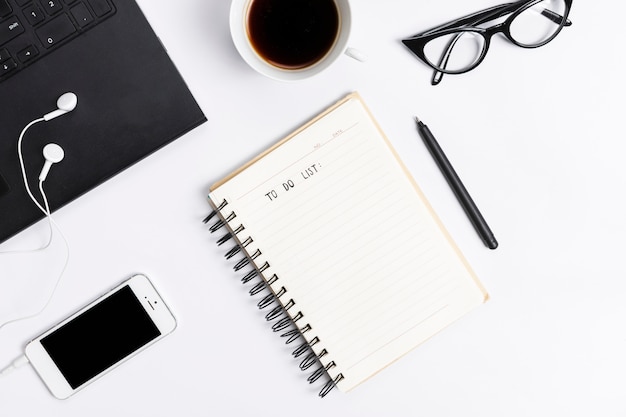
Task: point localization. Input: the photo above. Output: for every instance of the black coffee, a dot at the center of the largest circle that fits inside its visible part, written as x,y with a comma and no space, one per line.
293,34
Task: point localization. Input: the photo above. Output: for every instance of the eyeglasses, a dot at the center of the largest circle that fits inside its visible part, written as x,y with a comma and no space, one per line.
460,46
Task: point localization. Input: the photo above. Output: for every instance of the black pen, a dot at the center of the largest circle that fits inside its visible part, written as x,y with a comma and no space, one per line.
457,186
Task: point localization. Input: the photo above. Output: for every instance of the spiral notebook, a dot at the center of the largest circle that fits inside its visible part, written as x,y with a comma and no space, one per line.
356,265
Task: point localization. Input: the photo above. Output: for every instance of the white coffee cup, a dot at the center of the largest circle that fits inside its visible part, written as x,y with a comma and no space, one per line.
239,32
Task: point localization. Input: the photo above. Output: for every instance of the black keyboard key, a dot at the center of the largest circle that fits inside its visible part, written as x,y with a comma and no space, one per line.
52,6
22,2
7,66
27,54
33,14
4,186
55,30
5,9
81,14
4,54
9,29
100,7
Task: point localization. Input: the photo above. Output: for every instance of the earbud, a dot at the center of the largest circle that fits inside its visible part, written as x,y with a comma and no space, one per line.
66,103
53,154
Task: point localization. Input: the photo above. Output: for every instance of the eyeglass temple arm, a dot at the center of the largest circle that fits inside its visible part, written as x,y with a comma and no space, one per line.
555,17
474,18
491,13
445,57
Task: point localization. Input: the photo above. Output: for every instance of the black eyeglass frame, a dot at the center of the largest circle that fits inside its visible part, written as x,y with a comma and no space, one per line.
468,23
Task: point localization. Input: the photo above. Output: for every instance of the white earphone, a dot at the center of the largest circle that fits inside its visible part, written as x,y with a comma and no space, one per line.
53,154
65,104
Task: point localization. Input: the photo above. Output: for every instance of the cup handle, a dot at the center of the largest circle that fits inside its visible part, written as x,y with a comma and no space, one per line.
356,54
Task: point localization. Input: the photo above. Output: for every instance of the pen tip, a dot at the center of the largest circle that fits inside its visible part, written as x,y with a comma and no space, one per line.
417,120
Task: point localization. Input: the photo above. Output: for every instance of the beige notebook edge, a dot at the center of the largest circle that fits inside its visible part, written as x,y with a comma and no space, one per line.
356,96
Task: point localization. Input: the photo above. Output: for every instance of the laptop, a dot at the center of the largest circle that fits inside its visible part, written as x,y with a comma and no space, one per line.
131,98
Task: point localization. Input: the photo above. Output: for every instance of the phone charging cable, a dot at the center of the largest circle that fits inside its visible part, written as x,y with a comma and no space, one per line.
17,363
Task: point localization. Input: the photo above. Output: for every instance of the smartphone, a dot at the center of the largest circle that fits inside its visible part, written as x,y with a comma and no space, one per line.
100,336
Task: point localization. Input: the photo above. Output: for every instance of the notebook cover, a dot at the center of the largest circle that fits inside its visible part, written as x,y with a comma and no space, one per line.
131,102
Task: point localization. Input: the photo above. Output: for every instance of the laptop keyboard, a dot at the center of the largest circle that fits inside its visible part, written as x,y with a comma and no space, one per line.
31,29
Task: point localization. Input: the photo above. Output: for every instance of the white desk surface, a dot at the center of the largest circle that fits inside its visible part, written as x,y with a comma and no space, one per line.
536,135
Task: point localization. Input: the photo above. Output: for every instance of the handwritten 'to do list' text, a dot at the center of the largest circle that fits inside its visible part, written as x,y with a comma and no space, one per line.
291,183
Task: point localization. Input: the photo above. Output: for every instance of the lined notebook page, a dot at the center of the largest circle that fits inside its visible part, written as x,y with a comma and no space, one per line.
352,239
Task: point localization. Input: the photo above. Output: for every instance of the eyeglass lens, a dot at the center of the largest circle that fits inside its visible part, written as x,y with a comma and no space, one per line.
455,52
538,23
459,51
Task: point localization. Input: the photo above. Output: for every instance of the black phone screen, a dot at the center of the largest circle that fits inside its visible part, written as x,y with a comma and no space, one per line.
100,337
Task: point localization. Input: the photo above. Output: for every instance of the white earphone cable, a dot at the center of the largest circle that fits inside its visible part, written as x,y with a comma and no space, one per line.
19,154
30,194
46,211
67,259
45,246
